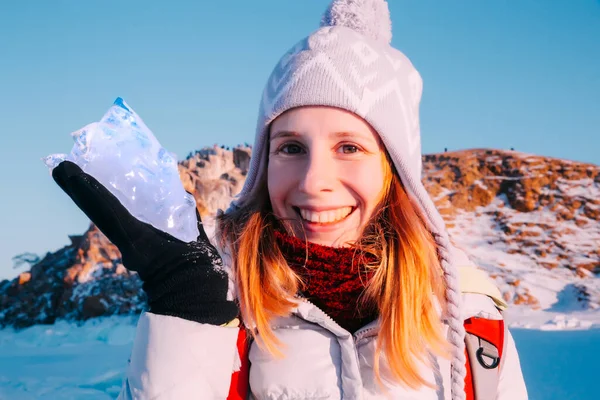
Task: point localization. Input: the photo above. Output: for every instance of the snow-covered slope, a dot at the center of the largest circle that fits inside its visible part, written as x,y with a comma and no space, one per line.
533,223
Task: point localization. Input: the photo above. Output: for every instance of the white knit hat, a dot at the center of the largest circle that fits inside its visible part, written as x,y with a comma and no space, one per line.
348,63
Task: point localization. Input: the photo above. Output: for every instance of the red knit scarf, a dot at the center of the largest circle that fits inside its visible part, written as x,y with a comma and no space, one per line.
334,278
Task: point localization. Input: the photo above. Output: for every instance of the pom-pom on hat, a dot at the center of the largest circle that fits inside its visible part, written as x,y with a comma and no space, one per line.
370,18
349,63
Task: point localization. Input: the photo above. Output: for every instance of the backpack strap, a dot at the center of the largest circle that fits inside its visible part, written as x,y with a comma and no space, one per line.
238,388
485,343
474,280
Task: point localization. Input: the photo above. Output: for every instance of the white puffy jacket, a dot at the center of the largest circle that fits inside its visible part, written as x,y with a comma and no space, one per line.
177,359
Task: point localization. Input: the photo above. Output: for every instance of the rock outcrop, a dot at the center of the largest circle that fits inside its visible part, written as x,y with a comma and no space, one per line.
82,280
214,176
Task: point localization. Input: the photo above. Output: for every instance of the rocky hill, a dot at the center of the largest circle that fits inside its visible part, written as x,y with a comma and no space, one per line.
532,222
82,280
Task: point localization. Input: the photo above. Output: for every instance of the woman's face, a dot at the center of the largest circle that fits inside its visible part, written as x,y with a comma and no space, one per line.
326,173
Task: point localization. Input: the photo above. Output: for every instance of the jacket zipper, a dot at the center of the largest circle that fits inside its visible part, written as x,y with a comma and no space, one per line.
330,320
364,331
321,312
359,334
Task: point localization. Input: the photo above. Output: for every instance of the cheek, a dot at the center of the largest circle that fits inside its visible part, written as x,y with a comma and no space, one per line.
368,182
277,185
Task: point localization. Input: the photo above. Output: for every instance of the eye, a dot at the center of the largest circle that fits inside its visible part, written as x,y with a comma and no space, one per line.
349,149
290,148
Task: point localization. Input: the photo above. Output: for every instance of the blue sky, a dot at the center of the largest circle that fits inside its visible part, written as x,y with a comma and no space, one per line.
501,74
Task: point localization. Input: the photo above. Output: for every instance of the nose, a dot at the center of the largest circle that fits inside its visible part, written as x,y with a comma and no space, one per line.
320,172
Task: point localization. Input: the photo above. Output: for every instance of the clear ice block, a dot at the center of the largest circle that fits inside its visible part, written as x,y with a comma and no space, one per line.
123,155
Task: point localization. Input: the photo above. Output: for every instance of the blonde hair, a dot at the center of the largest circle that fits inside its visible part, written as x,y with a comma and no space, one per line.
404,287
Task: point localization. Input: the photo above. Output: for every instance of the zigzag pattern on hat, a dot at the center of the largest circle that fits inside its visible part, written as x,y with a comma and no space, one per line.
364,93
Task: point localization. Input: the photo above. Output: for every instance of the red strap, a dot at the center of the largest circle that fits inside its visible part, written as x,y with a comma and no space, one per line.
469,387
238,389
489,330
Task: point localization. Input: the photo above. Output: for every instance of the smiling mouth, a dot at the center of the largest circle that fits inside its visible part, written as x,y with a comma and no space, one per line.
324,217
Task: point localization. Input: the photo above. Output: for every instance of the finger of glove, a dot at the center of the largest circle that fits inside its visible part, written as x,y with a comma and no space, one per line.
202,233
98,203
202,236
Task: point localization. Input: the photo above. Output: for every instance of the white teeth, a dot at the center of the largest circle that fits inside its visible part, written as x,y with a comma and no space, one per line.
331,216
326,216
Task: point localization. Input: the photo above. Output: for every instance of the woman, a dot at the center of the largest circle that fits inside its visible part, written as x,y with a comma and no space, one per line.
333,257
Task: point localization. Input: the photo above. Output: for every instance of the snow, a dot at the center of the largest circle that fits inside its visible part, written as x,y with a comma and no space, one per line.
561,304
479,183
507,260
584,188
67,361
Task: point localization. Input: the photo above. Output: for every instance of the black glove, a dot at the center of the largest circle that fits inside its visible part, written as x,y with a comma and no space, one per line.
181,279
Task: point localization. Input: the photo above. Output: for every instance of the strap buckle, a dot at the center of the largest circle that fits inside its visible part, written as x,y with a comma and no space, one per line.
487,355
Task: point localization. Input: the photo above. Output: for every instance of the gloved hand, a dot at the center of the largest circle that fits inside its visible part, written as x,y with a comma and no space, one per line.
181,279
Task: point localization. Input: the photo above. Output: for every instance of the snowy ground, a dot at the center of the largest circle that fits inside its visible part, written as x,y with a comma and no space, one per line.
65,361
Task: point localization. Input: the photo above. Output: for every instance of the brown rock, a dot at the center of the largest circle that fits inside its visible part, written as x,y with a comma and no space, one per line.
214,176
527,233
93,306
526,299
591,265
581,222
241,158
548,264
24,277
584,273
592,211
514,282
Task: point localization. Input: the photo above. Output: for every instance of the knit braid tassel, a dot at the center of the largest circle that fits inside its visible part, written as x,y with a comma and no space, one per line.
457,329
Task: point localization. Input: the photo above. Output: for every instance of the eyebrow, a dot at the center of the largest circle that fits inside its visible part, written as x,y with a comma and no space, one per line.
343,134
284,134
347,134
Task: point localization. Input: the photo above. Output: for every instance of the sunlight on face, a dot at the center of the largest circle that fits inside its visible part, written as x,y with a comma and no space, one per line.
325,173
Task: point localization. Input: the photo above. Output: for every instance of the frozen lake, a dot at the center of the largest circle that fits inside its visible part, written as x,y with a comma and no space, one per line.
560,364
64,361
